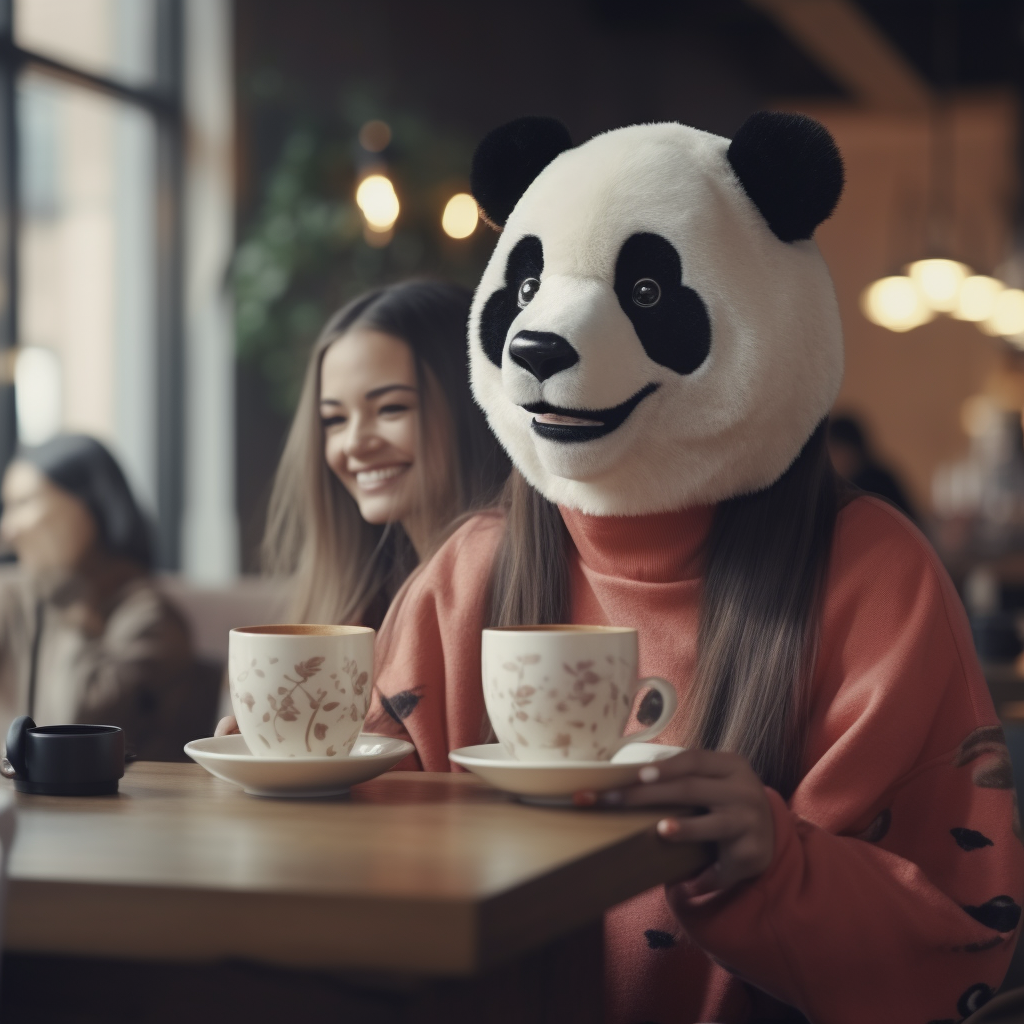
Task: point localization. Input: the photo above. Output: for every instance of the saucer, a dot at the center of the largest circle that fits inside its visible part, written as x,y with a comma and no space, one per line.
554,782
229,759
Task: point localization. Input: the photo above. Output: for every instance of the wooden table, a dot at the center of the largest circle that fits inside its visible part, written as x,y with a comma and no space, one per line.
422,896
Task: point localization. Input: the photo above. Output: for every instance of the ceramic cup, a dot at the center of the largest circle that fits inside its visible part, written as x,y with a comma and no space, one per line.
300,691
566,692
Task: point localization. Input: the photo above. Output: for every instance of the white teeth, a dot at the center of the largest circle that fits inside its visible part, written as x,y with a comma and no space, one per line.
566,421
368,478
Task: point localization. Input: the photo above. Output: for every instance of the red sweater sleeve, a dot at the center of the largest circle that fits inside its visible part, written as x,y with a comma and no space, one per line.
427,654
894,893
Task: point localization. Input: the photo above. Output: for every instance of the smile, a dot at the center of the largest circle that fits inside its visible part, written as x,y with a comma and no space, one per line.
378,479
557,424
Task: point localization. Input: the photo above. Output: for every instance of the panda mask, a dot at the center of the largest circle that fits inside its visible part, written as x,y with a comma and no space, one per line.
655,328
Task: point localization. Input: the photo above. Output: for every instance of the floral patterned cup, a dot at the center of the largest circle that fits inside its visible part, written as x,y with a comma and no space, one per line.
565,692
300,691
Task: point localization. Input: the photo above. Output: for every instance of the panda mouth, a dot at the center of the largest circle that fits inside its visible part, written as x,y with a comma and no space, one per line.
556,424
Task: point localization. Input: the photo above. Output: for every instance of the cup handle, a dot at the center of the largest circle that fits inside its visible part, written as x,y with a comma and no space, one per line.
668,709
16,744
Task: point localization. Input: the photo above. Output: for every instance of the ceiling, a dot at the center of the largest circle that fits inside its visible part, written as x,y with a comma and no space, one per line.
949,43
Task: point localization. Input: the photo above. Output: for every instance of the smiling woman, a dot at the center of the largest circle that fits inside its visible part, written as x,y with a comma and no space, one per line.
387,448
371,429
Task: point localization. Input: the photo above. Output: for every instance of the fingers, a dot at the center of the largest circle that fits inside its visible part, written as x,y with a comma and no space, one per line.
736,863
741,834
714,764
738,818
226,726
703,828
720,826
694,778
709,880
687,791
743,851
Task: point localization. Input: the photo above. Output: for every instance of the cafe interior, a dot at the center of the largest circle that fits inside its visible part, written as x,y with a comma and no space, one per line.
190,190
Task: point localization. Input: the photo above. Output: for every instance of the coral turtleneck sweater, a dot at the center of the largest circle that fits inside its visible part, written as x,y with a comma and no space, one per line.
894,893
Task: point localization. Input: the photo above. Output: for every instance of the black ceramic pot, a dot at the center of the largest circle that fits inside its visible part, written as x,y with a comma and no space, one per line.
64,760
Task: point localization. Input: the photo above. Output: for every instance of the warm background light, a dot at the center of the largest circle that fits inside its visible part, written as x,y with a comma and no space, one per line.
1007,313
939,282
375,136
978,415
460,216
895,303
977,298
377,199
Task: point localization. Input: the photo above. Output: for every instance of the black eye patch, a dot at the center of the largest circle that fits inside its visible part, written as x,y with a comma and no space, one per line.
675,330
525,260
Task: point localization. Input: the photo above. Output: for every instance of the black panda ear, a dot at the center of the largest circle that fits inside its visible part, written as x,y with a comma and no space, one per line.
509,158
790,168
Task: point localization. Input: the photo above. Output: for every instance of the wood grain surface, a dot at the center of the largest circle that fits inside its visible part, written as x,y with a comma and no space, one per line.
424,874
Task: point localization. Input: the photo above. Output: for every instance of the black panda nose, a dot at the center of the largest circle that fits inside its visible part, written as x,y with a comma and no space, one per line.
542,353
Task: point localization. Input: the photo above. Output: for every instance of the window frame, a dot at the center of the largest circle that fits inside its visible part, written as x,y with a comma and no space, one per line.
164,101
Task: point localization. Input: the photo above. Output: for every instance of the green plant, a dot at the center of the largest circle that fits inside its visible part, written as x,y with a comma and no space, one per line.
304,254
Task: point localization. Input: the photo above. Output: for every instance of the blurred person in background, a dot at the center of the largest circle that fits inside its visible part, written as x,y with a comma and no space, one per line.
856,463
387,449
85,634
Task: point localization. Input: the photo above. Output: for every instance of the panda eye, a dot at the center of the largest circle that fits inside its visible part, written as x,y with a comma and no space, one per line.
527,292
646,292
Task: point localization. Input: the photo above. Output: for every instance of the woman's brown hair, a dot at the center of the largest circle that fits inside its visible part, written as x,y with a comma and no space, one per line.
343,569
765,562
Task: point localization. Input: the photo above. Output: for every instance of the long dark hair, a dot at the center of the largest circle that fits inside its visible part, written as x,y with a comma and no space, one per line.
765,562
83,467
344,569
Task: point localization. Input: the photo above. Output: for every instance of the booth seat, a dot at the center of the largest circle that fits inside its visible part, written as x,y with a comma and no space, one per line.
212,611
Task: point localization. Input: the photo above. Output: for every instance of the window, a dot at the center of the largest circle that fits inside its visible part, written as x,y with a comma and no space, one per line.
90,237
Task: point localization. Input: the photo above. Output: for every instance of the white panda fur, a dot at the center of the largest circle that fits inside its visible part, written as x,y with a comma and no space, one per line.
737,422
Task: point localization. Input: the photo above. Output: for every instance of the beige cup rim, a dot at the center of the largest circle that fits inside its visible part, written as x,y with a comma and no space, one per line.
560,628
301,629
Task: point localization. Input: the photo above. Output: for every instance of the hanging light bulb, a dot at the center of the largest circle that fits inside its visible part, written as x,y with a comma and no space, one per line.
1007,318
377,199
460,216
939,281
895,303
977,298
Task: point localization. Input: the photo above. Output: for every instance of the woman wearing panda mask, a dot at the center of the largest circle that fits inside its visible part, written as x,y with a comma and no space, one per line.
656,342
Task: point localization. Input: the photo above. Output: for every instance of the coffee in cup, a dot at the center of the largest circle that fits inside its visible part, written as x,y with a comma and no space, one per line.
565,693
300,690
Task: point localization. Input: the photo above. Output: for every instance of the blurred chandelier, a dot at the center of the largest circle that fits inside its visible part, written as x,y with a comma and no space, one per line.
939,285
928,287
